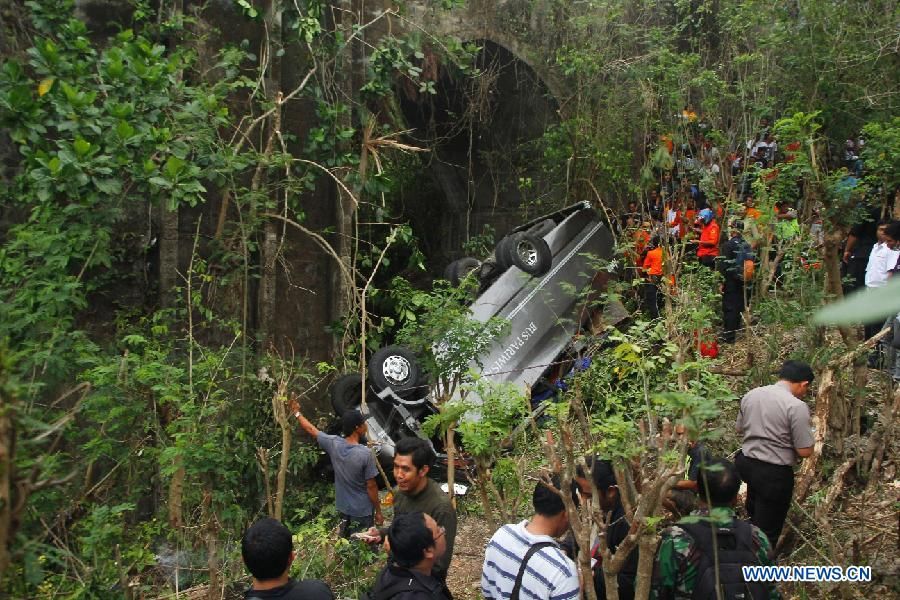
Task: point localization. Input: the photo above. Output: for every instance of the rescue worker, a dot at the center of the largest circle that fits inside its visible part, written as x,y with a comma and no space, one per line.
776,428
708,245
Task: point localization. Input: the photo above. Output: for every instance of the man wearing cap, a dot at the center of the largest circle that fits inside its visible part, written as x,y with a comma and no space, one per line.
775,425
355,488
708,247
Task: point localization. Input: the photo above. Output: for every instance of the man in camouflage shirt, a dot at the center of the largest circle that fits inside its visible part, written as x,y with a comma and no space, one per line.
684,561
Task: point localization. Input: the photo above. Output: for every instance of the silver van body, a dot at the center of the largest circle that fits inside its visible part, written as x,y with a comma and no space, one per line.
544,314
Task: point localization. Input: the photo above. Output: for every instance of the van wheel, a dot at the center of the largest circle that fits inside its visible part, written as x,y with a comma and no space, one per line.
346,393
460,269
503,252
395,367
531,254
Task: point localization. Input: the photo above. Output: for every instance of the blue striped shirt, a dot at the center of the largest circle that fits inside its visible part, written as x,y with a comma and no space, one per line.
549,575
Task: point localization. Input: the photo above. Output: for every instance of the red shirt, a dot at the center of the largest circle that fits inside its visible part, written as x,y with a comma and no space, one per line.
709,235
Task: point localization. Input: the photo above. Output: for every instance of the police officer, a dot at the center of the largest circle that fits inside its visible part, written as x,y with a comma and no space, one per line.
775,425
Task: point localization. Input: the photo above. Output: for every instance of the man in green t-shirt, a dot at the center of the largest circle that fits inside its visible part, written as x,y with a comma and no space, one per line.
416,492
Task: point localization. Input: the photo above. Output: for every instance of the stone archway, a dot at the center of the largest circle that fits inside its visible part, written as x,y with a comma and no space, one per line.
483,134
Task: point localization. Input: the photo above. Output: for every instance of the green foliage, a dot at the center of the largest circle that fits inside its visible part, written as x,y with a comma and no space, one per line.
349,566
481,245
437,325
866,306
501,409
88,146
881,154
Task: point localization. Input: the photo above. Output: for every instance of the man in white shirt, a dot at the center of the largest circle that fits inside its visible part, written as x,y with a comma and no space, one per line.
527,554
882,259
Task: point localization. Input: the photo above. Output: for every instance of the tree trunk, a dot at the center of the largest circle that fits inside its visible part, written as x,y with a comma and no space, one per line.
267,289
344,208
168,281
176,495
211,535
168,253
484,475
647,548
284,421
269,242
451,464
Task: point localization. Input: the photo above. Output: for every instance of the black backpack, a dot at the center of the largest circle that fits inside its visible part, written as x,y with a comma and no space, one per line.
743,265
734,545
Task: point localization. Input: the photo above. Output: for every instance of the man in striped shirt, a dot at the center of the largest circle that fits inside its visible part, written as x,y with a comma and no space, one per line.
548,574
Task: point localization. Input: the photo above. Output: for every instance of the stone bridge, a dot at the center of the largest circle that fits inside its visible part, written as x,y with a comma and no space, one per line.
522,27
480,171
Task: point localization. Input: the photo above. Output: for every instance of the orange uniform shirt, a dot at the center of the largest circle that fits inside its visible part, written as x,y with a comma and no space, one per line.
653,262
641,239
752,213
710,235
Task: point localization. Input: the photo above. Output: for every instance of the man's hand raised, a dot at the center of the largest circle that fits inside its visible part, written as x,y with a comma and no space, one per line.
305,424
294,404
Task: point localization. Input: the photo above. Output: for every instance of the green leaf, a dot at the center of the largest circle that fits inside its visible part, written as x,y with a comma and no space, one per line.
108,186
865,306
173,167
124,130
161,182
82,147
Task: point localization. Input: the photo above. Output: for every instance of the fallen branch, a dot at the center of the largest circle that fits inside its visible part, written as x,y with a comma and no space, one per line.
824,401
880,438
835,489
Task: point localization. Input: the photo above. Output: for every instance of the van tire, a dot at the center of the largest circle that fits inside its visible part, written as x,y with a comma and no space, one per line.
395,367
530,253
503,252
460,269
346,393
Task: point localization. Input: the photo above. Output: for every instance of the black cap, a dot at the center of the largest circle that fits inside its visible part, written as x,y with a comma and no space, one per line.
350,420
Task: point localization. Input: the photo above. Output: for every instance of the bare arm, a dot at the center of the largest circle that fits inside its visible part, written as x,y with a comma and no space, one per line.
848,249
305,425
372,491
804,452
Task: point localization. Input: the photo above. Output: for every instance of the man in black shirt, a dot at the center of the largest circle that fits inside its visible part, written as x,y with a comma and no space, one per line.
268,552
417,542
734,252
859,244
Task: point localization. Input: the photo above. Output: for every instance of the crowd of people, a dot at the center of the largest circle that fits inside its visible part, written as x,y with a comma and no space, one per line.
685,218
705,547
702,552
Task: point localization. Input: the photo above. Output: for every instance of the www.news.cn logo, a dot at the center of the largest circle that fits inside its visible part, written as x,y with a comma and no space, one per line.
805,573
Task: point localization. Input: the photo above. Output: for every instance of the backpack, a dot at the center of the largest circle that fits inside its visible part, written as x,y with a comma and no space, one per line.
734,545
744,265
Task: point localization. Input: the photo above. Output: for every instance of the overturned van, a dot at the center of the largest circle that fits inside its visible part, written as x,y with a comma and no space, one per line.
542,279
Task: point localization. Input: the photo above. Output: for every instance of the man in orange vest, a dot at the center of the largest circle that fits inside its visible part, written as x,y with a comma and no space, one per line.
708,248
653,270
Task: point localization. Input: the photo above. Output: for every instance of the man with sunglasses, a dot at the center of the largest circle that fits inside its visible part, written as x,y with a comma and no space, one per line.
417,542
